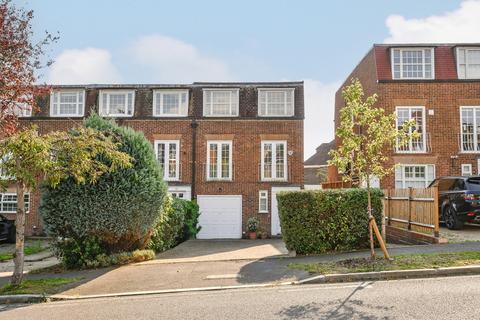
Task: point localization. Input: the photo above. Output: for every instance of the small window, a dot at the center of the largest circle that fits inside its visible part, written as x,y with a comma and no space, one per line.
170,103
412,63
275,102
263,201
219,160
117,103
67,103
468,63
168,153
8,202
274,160
414,176
467,170
220,102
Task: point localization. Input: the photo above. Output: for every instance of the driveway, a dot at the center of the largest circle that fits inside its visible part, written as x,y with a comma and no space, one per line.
222,250
470,232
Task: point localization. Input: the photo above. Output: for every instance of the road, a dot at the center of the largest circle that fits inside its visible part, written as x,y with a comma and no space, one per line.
439,298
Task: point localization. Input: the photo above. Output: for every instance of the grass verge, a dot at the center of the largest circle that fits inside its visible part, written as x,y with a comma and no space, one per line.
38,286
28,250
400,262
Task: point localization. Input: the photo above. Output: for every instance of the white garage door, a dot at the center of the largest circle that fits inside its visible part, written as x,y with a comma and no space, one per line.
220,217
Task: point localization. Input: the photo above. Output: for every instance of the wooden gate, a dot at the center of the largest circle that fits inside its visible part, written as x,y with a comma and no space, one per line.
412,209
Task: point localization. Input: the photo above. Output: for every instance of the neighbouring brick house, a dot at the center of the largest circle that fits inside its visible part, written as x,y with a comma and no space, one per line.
439,86
315,168
231,146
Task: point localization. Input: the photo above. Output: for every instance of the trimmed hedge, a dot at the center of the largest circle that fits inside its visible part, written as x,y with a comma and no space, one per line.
327,220
119,211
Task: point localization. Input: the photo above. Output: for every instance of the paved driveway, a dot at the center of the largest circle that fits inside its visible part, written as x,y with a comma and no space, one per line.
470,232
222,250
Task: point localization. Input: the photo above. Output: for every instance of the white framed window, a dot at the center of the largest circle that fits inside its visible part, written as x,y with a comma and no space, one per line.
468,63
220,102
412,63
274,160
67,103
276,102
168,156
219,160
467,169
263,201
415,145
414,175
470,129
116,103
8,202
170,103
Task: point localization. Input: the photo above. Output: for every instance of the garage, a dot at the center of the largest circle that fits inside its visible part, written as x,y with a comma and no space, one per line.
220,216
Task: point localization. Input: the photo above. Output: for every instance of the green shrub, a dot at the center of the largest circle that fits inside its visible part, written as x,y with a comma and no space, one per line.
120,211
169,229
192,212
120,258
77,253
325,220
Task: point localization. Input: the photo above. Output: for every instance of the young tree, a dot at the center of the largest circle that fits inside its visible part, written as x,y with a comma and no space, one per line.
20,60
83,154
367,135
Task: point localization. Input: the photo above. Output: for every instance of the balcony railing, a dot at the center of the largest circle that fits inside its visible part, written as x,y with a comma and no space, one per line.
286,179
467,142
418,145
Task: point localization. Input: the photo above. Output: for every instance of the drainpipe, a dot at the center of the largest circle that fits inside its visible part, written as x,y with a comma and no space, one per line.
194,126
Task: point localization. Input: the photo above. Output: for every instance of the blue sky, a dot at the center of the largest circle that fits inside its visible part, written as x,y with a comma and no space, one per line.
184,41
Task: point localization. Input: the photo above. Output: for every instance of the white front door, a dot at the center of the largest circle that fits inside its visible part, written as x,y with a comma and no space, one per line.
276,230
220,217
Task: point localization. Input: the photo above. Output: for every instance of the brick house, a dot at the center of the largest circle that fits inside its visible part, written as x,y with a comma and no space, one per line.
439,86
315,168
231,146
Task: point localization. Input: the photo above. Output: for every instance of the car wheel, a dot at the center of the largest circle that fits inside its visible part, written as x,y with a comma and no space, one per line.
451,219
12,234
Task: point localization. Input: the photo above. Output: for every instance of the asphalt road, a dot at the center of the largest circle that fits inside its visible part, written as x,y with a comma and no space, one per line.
439,298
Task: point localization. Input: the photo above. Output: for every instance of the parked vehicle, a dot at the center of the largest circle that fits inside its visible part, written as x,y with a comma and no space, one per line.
7,229
459,200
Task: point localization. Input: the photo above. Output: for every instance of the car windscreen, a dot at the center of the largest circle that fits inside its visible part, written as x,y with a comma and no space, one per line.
473,184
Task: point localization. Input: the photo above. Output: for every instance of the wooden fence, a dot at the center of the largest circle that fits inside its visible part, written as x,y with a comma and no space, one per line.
336,185
412,209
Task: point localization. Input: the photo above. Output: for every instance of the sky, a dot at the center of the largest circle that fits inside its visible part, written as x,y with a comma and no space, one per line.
319,42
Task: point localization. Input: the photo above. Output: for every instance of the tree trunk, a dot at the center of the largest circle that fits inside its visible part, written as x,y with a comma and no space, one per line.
20,235
370,217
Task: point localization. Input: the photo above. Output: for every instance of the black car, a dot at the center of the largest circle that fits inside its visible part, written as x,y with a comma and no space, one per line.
458,200
7,230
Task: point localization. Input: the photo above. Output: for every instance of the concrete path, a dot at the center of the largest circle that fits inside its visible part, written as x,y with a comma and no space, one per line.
222,250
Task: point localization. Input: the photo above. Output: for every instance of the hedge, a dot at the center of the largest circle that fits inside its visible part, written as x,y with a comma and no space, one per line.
119,211
327,220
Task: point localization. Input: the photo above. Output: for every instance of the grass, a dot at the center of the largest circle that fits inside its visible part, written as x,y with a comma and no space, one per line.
401,262
28,250
39,286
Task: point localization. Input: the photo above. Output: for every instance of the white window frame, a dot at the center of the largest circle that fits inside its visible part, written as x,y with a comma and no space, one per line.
167,158
432,59
219,160
162,92
467,170
79,106
475,133
27,202
274,160
403,165
466,61
285,91
114,91
424,127
210,107
263,195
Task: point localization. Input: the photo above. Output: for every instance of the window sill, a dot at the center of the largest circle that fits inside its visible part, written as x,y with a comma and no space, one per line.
219,180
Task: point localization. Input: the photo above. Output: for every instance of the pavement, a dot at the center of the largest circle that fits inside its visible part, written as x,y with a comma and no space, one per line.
435,298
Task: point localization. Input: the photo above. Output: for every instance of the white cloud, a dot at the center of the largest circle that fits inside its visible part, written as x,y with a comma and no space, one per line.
460,25
172,60
319,114
81,66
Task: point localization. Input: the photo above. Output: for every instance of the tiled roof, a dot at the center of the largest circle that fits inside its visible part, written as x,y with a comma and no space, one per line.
315,175
321,156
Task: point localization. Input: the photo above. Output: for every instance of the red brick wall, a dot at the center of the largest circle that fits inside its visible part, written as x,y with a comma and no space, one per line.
246,132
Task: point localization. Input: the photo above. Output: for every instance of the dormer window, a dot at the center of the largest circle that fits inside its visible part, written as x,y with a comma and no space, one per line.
468,63
116,103
67,103
220,102
412,63
275,102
